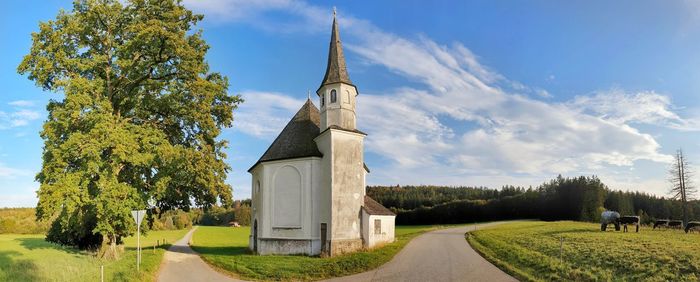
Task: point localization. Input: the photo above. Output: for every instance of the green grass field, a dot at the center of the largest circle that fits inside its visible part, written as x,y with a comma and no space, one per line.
530,251
227,249
30,258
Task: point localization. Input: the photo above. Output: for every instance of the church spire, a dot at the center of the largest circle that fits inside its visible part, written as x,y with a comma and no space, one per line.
336,70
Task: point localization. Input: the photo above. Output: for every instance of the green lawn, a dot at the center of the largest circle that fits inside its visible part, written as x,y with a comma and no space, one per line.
530,251
226,248
30,258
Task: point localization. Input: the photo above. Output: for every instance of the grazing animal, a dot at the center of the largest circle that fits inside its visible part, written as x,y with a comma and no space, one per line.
629,219
675,224
609,217
693,225
661,223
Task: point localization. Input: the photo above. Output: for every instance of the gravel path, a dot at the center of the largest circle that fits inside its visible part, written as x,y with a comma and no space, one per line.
181,263
441,255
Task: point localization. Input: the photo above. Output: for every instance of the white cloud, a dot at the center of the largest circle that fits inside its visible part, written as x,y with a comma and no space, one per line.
17,118
264,114
9,173
620,107
305,18
21,103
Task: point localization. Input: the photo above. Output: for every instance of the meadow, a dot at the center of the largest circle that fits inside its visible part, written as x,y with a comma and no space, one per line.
530,251
28,257
227,250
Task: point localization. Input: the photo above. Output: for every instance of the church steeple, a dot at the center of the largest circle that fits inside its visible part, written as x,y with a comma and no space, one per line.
337,93
335,70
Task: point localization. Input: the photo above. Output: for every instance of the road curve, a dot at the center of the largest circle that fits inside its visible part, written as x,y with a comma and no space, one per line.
441,255
181,263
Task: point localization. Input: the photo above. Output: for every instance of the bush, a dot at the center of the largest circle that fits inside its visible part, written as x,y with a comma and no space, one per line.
220,216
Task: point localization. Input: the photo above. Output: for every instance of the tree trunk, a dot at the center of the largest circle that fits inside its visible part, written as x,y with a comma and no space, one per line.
109,249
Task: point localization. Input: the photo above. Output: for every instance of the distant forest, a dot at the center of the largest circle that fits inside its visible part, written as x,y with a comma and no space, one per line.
580,198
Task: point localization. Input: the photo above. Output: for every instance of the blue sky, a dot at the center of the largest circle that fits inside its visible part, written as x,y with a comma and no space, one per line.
451,93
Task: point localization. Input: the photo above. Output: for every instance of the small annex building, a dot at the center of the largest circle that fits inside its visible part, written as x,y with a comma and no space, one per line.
308,188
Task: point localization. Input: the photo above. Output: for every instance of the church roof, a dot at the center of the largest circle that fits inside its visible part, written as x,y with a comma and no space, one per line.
336,70
297,138
372,207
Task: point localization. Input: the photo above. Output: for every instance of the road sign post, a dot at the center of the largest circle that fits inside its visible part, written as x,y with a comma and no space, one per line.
138,218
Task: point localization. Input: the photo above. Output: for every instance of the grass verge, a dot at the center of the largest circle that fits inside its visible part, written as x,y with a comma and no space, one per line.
227,249
31,258
530,251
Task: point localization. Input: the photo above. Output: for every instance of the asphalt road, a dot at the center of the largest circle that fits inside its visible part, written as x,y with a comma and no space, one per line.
441,255
181,263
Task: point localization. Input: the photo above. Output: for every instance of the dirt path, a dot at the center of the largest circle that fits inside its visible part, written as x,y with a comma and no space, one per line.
181,263
441,255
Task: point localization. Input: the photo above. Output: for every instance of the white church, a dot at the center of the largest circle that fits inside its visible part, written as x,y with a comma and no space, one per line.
309,186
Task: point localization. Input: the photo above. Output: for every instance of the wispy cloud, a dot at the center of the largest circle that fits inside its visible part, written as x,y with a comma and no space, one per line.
299,16
621,107
9,172
21,103
21,114
264,114
17,118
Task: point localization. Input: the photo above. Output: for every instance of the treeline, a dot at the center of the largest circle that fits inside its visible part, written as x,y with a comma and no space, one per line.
23,220
579,198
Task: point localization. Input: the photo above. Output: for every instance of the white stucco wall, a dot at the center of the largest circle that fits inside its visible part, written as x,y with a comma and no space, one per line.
286,206
387,233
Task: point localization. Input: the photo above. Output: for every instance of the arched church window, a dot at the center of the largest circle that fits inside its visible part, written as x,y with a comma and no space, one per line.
333,96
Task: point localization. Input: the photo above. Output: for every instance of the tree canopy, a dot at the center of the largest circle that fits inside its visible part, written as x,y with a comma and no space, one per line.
139,120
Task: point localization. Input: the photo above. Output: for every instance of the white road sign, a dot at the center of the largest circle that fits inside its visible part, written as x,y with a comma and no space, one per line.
138,216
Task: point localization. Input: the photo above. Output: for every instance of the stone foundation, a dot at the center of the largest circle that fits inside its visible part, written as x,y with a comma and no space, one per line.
339,247
288,247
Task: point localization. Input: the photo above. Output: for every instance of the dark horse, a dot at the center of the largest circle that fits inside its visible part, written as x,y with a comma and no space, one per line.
661,223
693,225
629,219
675,224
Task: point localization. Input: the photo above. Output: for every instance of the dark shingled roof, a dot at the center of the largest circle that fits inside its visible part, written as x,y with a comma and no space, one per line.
297,138
372,207
336,70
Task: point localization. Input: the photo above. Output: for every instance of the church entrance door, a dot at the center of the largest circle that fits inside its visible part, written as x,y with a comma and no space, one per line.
323,238
255,236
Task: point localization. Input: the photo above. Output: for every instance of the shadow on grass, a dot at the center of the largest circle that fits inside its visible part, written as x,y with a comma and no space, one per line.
17,270
217,250
40,243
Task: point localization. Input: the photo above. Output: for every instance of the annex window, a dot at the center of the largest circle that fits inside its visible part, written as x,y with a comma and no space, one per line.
334,96
323,100
377,226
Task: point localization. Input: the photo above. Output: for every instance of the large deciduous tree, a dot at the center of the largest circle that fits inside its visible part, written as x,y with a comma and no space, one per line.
139,120
681,180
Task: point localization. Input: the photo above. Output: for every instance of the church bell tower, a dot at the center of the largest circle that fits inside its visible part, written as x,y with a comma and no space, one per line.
337,93
342,175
